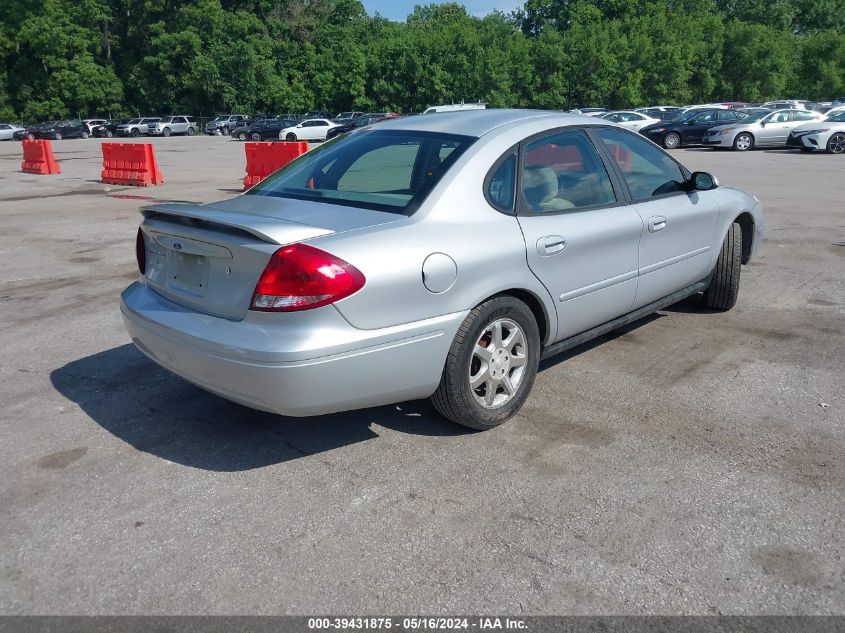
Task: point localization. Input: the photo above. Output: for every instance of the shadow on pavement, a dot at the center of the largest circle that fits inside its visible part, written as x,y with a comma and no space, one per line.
158,413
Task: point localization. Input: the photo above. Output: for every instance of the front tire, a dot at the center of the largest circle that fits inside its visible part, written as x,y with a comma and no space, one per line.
85,135
722,292
672,140
109,134
290,136
836,144
743,142
135,133
491,365
58,136
165,131
255,136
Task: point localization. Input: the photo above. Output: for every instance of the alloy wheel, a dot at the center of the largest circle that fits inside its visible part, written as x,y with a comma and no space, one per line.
836,144
671,141
498,363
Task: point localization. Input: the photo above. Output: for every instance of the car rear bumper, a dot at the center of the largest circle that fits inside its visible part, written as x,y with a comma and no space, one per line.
296,364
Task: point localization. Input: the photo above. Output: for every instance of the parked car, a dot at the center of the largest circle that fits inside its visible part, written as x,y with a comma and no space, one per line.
454,107
630,119
827,135
267,130
92,123
181,124
63,129
763,130
223,123
688,129
308,130
661,113
346,117
240,126
353,277
7,131
30,132
590,111
107,129
361,121
315,114
136,127
839,101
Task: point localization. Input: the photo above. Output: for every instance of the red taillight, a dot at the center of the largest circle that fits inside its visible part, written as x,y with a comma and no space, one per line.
141,251
301,277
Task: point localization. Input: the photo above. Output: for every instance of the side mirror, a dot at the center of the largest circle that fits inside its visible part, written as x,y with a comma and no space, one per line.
300,125
689,122
702,181
762,124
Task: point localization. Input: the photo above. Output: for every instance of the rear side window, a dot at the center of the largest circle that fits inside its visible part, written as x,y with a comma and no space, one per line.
390,170
648,170
726,115
500,187
563,172
803,116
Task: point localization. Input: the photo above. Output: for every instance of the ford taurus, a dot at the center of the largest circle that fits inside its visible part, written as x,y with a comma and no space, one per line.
439,257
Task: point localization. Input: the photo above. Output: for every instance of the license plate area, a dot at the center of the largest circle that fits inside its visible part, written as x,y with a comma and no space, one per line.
188,272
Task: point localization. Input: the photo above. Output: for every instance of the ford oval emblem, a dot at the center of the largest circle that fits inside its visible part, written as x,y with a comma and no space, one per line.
177,246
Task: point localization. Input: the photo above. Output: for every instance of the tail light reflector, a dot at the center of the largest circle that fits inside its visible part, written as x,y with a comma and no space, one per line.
141,251
301,277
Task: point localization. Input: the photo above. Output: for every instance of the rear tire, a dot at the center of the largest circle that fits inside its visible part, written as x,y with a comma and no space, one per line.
109,134
191,131
290,136
481,393
85,135
836,144
722,292
743,142
672,140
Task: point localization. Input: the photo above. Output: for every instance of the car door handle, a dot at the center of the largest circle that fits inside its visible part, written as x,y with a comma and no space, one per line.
550,244
655,223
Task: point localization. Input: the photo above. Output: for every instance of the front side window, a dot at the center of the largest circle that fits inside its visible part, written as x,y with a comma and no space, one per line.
778,117
703,117
385,170
647,169
562,172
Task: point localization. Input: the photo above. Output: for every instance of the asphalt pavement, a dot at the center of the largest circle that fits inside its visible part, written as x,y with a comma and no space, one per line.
693,463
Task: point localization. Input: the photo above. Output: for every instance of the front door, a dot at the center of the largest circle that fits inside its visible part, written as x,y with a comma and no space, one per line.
580,237
679,224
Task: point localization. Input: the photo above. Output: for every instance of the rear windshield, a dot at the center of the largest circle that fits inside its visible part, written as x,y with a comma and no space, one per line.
385,170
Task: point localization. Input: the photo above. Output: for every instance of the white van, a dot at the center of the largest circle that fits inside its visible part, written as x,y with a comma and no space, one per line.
455,107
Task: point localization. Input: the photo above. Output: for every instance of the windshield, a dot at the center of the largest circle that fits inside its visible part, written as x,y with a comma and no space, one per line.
385,170
839,117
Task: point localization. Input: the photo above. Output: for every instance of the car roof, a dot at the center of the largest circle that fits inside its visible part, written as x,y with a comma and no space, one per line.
481,122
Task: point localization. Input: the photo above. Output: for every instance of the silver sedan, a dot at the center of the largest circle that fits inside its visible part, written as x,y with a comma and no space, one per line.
759,130
437,257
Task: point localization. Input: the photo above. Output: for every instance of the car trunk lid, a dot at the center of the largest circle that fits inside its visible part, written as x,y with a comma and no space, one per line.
209,257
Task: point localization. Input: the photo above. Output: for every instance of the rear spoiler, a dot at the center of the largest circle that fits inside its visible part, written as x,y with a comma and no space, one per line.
271,230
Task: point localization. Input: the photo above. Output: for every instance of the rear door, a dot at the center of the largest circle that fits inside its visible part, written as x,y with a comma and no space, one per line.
679,225
581,236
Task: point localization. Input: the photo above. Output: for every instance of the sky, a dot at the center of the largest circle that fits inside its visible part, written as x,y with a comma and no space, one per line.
400,9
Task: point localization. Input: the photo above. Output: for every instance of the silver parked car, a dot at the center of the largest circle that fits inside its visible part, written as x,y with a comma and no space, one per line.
436,257
169,125
759,130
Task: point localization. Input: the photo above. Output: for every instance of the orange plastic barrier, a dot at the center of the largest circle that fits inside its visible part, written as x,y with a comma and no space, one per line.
38,158
262,159
621,154
130,164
